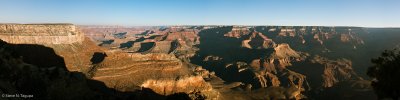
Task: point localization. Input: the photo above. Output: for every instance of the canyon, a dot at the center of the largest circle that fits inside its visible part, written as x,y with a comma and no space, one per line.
192,62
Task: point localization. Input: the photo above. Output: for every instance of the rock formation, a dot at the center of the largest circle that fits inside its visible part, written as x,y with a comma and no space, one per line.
238,32
268,73
259,41
212,58
40,33
184,84
287,32
251,39
284,54
335,70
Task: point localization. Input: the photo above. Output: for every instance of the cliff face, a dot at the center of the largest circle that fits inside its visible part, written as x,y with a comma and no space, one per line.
251,38
238,32
40,33
336,70
66,40
272,70
171,86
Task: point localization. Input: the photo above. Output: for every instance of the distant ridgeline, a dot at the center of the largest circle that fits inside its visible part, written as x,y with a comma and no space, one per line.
40,33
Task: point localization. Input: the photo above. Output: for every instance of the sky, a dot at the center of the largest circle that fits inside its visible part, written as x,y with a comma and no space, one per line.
365,13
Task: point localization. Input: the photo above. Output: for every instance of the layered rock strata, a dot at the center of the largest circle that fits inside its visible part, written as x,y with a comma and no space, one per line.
40,33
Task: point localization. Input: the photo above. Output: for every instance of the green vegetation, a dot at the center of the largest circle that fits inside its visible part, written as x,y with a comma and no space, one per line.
386,74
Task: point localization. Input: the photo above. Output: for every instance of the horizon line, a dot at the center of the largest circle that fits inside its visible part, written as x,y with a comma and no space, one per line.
206,25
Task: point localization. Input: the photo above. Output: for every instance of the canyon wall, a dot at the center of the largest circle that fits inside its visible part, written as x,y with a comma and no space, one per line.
40,33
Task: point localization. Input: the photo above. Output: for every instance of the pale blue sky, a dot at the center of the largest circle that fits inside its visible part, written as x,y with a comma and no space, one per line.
369,13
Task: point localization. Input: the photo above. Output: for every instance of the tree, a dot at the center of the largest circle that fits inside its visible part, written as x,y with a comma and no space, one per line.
386,74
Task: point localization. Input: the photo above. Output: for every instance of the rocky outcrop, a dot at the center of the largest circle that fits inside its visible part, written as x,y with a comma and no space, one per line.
320,35
160,47
335,70
179,48
203,72
162,73
183,42
267,74
351,37
284,54
238,32
287,32
185,84
283,51
258,41
294,77
188,35
183,50
241,66
251,39
212,58
40,33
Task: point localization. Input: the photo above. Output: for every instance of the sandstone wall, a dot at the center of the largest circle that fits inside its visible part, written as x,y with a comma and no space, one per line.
40,33
170,86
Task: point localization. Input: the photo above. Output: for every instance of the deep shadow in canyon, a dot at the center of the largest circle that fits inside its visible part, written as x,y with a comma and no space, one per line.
214,43
98,57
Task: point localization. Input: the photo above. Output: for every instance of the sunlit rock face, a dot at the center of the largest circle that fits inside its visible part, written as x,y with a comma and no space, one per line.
258,41
184,84
40,33
270,71
284,54
336,70
238,31
250,38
